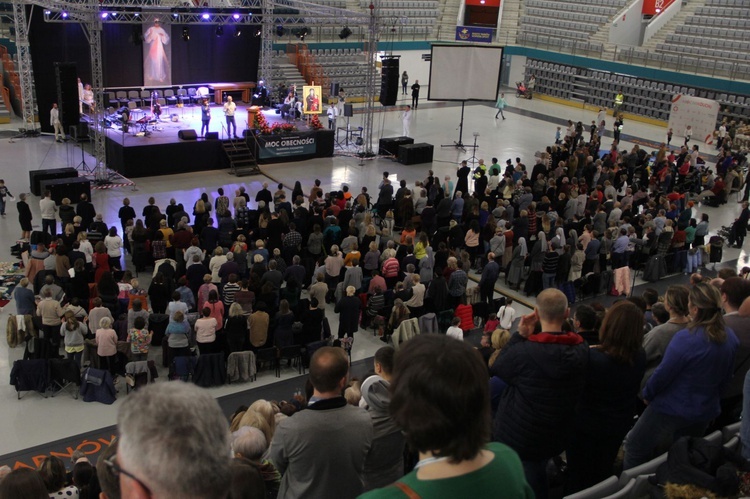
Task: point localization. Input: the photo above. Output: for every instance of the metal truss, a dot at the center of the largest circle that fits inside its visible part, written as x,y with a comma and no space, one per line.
92,27
370,77
266,49
25,73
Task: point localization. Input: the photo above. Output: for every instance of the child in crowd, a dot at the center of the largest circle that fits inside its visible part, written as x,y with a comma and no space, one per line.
140,339
455,330
491,324
558,136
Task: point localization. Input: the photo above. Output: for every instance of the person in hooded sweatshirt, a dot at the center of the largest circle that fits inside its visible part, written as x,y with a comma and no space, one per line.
385,462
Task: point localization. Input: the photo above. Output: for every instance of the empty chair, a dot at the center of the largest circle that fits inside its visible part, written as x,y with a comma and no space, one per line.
170,97
145,98
293,354
182,96
112,100
270,355
648,468
133,96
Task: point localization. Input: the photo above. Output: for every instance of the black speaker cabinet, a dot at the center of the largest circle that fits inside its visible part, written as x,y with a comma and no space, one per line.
348,110
388,146
37,177
334,89
413,154
70,188
66,79
389,82
188,134
212,135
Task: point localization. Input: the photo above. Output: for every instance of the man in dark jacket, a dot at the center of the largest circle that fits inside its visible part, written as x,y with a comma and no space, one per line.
86,211
490,274
544,369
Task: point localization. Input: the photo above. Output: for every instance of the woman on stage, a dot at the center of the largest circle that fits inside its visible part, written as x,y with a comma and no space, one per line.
205,117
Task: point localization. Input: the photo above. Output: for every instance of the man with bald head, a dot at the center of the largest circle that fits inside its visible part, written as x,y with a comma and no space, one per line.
323,448
545,371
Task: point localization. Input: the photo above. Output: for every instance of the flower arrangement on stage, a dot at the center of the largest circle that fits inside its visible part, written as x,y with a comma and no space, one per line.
315,123
261,124
279,128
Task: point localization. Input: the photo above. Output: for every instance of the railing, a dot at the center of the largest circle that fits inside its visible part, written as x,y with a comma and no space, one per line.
398,33
684,63
564,45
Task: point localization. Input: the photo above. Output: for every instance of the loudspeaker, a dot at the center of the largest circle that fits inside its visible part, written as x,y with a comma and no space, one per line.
188,134
348,111
66,79
212,135
389,82
334,89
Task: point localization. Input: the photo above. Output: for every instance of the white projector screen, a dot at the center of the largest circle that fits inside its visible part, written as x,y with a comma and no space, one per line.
465,72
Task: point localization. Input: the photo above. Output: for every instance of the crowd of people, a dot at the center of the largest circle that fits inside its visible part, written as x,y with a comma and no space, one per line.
262,274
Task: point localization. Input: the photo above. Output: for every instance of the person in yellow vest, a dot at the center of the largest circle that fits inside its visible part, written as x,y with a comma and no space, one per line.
619,99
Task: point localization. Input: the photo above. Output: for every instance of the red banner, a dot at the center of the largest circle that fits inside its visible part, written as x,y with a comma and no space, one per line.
653,7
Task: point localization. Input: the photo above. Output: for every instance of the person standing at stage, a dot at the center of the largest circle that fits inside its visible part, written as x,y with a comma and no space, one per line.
54,121
406,118
332,115
229,108
415,94
404,82
205,117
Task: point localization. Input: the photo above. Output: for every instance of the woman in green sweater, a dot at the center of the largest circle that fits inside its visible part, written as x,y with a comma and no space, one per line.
440,400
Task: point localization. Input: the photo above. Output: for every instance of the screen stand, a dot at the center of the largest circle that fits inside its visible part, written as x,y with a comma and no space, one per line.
459,145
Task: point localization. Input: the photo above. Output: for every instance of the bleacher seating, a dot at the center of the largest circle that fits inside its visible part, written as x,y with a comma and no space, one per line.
415,17
556,23
713,38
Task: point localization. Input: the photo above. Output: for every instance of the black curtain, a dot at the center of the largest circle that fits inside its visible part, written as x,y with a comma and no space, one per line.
122,59
209,58
50,43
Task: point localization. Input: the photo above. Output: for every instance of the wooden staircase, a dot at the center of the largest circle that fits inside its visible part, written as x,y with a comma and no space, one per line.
242,162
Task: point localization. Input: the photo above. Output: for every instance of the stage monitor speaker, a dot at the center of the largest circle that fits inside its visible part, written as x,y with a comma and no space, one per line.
188,134
348,111
389,82
66,79
212,135
334,89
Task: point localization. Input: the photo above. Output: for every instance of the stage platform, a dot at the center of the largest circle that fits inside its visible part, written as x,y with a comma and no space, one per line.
156,149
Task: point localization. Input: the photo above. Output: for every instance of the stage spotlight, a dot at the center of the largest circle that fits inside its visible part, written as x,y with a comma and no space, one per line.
302,33
237,31
185,34
219,30
235,17
65,15
280,31
345,33
258,32
47,12
104,15
206,16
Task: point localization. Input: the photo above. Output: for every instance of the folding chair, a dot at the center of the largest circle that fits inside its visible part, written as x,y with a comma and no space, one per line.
63,374
30,376
270,355
292,353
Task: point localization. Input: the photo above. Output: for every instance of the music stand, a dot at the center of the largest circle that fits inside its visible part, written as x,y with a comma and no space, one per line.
473,158
82,166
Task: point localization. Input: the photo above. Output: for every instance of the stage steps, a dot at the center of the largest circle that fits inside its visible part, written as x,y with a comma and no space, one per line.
241,159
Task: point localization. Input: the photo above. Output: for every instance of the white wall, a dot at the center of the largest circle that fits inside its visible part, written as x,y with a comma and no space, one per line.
417,69
661,20
626,28
517,69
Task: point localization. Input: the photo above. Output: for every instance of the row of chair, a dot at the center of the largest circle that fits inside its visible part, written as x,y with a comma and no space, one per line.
739,12
563,25
560,38
557,6
707,41
576,16
703,53
188,95
634,483
701,30
719,22
729,3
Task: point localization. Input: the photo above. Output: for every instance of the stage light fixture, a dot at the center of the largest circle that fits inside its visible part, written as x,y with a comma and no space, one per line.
175,15
258,32
219,30
65,15
235,16
137,14
302,33
345,33
104,15
185,34
206,16
237,31
280,31
47,12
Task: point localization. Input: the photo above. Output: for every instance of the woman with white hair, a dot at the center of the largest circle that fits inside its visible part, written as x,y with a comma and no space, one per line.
348,309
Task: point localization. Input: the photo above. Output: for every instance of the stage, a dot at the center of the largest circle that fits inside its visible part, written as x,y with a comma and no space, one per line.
156,149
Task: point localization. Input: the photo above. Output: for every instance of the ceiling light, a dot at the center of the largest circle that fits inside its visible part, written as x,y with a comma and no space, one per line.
185,34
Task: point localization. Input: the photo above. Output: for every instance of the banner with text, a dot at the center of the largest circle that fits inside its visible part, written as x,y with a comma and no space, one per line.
474,34
700,114
281,146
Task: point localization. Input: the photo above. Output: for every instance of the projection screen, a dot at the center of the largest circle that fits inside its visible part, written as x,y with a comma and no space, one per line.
465,72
